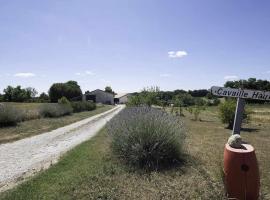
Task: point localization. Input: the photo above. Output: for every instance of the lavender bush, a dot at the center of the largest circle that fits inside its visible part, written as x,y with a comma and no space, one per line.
9,115
146,137
55,110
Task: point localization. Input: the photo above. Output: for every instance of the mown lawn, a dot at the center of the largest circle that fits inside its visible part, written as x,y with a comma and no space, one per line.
38,126
90,171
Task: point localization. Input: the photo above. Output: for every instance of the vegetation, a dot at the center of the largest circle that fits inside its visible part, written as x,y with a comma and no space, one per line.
79,106
149,96
251,83
71,90
91,171
8,115
153,96
109,90
147,137
227,112
44,98
55,110
41,125
18,94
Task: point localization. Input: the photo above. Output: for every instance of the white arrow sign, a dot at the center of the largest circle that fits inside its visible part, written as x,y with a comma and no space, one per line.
241,93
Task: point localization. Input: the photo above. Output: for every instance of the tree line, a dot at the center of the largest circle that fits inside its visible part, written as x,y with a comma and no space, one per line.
72,91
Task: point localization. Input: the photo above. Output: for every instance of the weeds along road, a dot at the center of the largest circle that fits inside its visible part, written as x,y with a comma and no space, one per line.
25,157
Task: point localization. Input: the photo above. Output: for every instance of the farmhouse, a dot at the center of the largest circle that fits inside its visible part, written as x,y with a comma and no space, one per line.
100,96
121,98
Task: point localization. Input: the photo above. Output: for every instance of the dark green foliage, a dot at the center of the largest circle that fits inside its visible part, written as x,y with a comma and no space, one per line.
227,112
149,96
43,97
55,110
109,90
9,115
64,101
198,93
70,90
18,94
79,106
200,101
251,83
147,138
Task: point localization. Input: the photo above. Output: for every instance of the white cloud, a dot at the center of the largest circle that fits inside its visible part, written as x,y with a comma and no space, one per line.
231,78
89,72
24,75
86,73
165,75
104,80
177,54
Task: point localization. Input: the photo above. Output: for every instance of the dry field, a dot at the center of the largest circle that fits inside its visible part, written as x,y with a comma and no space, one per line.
90,171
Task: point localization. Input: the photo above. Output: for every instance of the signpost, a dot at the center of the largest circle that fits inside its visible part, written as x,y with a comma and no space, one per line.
241,170
240,94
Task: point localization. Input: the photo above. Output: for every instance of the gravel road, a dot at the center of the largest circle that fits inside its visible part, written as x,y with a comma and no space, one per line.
23,158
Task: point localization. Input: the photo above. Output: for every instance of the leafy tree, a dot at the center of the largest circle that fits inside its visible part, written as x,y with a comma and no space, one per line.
70,90
31,92
199,93
149,96
251,83
18,94
227,112
109,90
43,97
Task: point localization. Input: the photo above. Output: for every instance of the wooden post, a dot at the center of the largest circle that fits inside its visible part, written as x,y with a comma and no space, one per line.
238,116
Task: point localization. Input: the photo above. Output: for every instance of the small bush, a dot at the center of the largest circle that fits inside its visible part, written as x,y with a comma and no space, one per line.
63,100
83,106
9,115
55,110
147,138
227,113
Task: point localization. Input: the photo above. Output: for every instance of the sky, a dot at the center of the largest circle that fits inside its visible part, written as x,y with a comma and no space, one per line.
129,45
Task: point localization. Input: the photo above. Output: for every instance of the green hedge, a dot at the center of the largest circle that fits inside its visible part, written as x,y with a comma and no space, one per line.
80,106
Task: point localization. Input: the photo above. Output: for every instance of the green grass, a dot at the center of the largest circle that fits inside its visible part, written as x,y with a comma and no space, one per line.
90,171
38,126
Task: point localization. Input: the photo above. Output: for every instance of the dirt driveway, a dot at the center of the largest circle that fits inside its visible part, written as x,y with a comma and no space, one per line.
23,158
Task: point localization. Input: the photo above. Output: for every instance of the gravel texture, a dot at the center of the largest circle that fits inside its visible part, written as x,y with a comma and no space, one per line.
23,158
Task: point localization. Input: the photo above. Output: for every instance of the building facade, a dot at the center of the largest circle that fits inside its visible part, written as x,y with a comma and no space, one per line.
100,96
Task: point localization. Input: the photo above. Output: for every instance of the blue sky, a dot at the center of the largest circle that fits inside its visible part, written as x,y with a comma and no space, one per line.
132,44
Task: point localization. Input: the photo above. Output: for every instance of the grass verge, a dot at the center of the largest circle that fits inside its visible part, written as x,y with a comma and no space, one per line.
38,126
90,171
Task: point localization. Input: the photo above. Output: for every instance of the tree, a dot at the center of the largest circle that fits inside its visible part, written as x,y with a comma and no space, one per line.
109,90
31,92
148,96
227,112
43,97
18,94
251,83
70,90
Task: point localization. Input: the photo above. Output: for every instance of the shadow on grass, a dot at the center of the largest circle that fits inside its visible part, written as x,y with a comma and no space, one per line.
180,165
249,130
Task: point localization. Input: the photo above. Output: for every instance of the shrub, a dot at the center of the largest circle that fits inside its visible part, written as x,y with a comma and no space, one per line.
55,110
64,101
148,96
83,106
9,115
146,137
70,90
227,112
